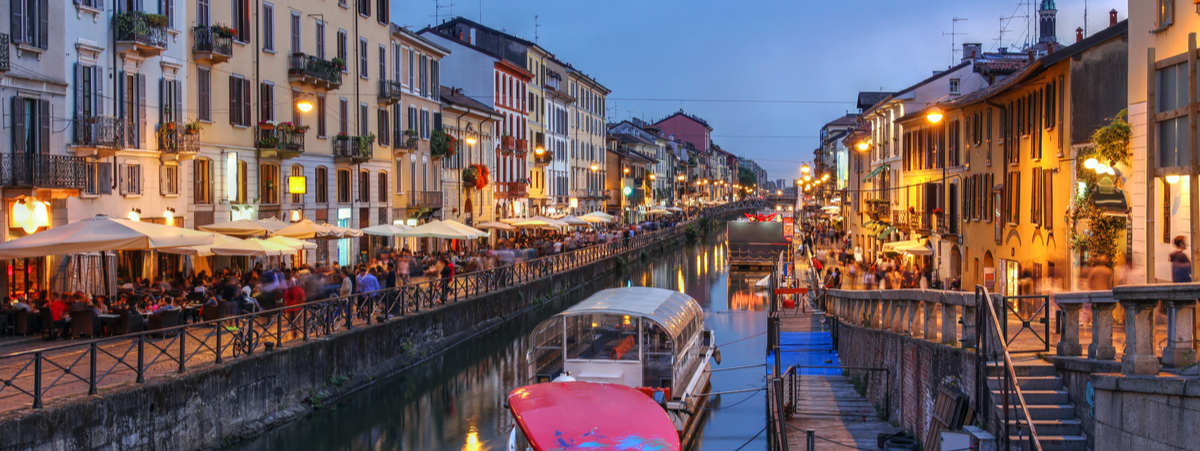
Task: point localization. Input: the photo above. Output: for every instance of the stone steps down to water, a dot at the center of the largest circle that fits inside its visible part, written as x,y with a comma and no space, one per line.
1052,414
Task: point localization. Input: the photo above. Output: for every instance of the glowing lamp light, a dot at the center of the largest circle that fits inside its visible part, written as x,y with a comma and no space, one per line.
627,190
539,150
595,167
681,178
1172,179
934,115
471,140
807,178
626,170
805,169
1111,171
135,215
1090,163
862,146
1101,168
20,214
652,176
574,202
304,106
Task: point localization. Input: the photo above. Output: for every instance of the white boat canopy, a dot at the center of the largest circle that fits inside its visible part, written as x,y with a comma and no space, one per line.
670,309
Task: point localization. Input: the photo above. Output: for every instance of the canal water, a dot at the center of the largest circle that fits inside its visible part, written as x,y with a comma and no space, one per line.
456,401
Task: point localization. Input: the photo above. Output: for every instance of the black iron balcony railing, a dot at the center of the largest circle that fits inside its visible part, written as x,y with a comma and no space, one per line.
211,44
40,170
354,148
425,199
310,69
947,224
102,132
389,91
175,138
918,220
283,140
143,29
4,52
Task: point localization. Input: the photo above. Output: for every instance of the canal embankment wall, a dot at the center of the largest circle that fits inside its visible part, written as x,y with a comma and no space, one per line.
212,406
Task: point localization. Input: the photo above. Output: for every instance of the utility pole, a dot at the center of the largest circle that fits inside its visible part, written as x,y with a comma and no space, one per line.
953,32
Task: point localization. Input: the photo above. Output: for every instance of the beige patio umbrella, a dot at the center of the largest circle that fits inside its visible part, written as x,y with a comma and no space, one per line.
601,214
306,229
245,227
440,229
292,242
466,228
674,209
385,229
595,219
201,251
495,225
574,221
659,212
343,232
536,224
102,233
253,248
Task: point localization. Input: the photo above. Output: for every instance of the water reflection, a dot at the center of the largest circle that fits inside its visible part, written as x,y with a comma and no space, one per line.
456,401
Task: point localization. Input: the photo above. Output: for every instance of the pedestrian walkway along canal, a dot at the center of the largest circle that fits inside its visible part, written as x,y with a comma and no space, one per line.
455,401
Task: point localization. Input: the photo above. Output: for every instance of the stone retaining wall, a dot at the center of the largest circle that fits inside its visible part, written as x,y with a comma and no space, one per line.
211,406
1146,413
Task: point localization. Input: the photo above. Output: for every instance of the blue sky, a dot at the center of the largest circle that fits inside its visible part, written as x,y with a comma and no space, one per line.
755,50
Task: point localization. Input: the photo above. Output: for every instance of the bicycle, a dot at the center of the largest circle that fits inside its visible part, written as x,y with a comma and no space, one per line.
245,338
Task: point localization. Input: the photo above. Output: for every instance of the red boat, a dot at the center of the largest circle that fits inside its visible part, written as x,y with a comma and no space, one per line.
566,416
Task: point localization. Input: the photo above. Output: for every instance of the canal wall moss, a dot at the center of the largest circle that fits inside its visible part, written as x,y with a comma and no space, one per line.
209,407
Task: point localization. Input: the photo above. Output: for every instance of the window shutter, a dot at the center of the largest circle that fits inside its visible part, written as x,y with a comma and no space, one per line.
177,111
44,126
162,180
122,179
437,121
43,24
162,100
1017,197
104,178
135,182
197,181
79,68
16,29
1048,205
18,115
437,80
246,102
234,108
141,107
98,83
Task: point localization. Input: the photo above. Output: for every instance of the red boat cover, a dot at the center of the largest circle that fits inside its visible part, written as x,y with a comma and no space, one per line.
564,416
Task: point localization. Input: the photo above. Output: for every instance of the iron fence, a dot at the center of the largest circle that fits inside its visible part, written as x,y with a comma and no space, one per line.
43,170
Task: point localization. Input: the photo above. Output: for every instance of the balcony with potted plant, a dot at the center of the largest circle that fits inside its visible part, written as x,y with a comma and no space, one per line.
178,141
353,149
99,136
280,139
212,44
389,91
542,157
140,32
310,70
408,140
508,144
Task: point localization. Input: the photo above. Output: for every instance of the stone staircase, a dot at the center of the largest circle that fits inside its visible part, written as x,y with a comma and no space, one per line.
1052,413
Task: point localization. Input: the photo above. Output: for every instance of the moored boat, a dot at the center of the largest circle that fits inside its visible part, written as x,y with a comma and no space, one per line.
564,416
650,339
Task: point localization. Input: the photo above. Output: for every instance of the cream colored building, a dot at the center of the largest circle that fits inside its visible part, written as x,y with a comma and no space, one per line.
418,193
474,124
587,158
260,154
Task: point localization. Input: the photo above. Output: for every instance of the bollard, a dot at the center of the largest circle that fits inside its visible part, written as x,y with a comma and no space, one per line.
810,440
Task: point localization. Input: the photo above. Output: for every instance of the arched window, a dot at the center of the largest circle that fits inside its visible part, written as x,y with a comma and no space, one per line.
383,186
322,184
297,171
364,186
343,185
243,181
268,183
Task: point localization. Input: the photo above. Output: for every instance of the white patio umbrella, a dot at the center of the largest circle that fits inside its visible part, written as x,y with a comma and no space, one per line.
201,251
494,225
245,227
306,229
595,219
536,224
572,220
466,228
343,232
253,248
601,214
292,242
385,229
659,212
439,229
102,233
674,209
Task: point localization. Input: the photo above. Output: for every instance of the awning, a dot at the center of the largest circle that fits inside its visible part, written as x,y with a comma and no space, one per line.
875,172
1112,203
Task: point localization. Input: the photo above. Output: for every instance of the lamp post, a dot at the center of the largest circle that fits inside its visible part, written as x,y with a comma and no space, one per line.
934,116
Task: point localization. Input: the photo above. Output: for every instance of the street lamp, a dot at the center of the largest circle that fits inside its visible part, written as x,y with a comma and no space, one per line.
862,146
934,115
805,169
595,167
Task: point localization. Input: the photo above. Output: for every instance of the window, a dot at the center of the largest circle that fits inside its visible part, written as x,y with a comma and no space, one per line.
170,101
266,101
241,19
343,185
411,71
399,176
424,124
383,12
131,179
204,93
31,22
364,186
382,61
89,94
424,75
343,3
364,7
167,8
384,136
364,123
344,115
202,13
322,184
412,118
1172,139
954,82
1035,204
1050,108
1047,185
239,101
268,27
1012,186
383,186
412,174
295,32
168,180
396,66
31,126
202,181
341,45
320,39
1166,213
268,184
1166,14
321,132
362,54
297,115
243,183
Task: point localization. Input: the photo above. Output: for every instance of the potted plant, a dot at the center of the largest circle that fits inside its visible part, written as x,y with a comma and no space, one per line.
937,211
410,139
170,126
284,127
268,142
223,31
341,137
338,63
266,125
193,127
442,144
469,176
156,20
364,141
301,129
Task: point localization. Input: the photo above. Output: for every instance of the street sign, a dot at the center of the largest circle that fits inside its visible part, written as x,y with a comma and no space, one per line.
789,229
791,291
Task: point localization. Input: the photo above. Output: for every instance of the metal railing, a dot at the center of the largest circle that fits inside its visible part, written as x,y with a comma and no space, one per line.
173,138
43,170
352,147
992,354
4,62
389,91
290,141
304,65
425,199
947,224
512,190
86,366
135,26
106,132
204,39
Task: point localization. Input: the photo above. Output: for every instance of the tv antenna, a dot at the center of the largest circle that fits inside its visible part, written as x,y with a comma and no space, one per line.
953,32
437,10
536,26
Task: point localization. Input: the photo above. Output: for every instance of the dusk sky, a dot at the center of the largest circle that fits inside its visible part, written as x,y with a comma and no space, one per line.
765,74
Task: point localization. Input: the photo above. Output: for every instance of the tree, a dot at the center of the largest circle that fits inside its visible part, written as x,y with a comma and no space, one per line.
1092,232
746,177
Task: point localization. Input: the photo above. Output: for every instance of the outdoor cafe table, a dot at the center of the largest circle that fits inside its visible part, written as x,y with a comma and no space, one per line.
108,322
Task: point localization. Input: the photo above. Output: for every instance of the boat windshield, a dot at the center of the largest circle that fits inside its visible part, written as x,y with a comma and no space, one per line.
602,337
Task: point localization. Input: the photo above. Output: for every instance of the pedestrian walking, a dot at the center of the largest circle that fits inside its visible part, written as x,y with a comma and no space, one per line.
1181,265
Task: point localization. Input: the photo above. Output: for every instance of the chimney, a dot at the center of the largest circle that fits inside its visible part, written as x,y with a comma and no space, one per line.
1032,55
1112,17
1078,34
971,51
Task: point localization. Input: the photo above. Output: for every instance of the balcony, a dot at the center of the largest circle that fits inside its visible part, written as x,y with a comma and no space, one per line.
918,221
43,171
408,141
425,199
353,149
508,144
4,52
101,136
511,190
310,70
280,143
543,159
213,45
522,146
947,225
389,92
140,32
176,142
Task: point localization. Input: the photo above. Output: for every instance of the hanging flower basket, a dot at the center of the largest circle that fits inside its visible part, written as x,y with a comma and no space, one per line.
475,176
442,144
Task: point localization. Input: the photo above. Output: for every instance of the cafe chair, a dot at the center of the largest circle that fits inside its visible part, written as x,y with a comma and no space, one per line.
131,322
48,328
164,320
82,323
22,323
